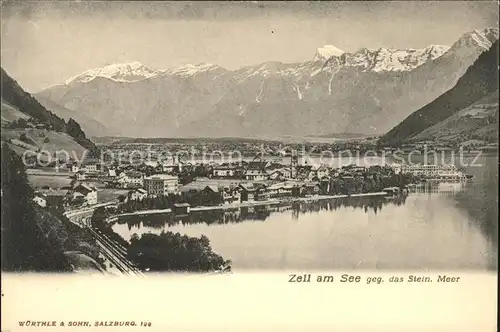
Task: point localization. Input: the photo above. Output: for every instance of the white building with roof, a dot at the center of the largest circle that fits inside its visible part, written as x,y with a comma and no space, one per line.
223,171
161,184
255,175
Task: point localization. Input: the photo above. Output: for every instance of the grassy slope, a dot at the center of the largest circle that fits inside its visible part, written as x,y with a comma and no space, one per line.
14,95
471,122
11,113
45,139
36,138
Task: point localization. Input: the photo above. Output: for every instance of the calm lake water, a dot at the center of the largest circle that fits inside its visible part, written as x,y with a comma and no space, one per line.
449,226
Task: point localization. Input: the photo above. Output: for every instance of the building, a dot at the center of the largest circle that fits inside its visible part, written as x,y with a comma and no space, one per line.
310,189
161,184
181,209
122,180
223,171
150,163
287,172
318,172
256,170
223,195
200,183
55,197
255,174
280,174
91,166
89,193
358,169
133,178
169,166
283,189
322,171
248,191
275,174
130,179
262,193
230,195
74,167
137,194
324,185
432,171
76,199
80,176
396,168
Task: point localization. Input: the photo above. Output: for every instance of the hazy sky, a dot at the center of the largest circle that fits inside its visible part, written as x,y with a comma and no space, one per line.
44,43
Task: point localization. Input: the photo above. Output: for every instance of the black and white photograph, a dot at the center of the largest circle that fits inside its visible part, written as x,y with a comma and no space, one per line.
220,138
213,136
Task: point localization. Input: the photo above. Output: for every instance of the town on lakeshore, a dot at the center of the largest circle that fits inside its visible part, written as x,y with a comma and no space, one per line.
184,137
137,185
95,194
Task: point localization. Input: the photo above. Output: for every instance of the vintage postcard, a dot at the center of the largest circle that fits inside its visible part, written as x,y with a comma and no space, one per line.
249,165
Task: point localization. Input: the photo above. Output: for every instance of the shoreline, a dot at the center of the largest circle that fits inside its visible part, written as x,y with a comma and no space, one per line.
250,204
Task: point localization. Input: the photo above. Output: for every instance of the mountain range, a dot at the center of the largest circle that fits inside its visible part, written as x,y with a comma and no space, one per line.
468,111
368,91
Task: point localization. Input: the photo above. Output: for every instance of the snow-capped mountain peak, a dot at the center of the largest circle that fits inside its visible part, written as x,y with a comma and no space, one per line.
191,69
483,38
121,72
435,51
386,59
468,44
326,52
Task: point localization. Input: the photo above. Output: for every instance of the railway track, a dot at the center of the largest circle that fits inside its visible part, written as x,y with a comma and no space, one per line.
115,254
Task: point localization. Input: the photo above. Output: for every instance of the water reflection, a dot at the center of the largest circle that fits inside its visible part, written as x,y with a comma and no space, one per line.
260,213
438,226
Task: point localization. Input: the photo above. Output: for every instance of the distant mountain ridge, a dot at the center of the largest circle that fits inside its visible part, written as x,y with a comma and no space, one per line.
367,91
473,95
123,72
90,126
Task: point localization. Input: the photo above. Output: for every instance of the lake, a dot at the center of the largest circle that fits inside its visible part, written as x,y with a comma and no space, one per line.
445,226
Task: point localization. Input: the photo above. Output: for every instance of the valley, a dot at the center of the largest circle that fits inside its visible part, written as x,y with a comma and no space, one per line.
127,146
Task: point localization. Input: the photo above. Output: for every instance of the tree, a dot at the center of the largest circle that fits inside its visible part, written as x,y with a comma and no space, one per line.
175,252
98,221
73,129
134,237
24,245
19,123
98,217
